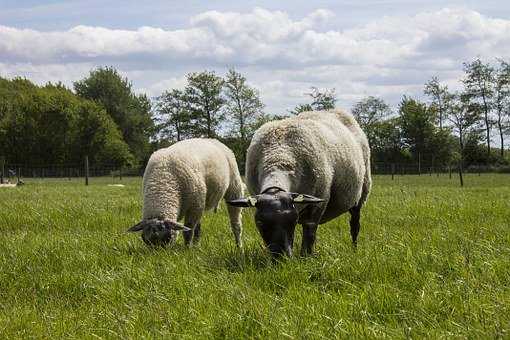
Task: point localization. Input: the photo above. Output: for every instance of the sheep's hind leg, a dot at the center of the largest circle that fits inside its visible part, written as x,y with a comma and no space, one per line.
354,222
196,233
236,224
188,236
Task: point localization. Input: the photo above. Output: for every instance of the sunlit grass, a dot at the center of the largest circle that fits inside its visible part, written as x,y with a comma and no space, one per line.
433,260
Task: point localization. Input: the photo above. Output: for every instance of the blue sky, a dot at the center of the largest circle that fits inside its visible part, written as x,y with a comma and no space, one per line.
360,48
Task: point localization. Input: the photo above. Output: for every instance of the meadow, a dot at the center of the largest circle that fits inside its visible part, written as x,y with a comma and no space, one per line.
433,261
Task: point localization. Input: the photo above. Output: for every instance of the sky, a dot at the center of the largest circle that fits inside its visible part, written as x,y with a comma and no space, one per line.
361,48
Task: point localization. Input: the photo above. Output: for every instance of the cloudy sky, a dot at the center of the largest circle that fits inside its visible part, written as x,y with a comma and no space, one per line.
383,48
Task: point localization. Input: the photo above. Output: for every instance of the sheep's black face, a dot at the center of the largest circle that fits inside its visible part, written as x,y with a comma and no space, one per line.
156,232
158,235
276,217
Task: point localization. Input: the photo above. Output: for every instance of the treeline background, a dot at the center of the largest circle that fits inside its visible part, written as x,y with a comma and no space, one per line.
103,118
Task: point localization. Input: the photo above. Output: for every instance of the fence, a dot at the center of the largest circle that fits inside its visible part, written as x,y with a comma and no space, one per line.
16,172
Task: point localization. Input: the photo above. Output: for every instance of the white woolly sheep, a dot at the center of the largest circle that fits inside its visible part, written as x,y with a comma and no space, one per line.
182,182
319,161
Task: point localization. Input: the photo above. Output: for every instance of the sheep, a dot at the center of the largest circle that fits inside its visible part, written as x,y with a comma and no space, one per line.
182,182
318,161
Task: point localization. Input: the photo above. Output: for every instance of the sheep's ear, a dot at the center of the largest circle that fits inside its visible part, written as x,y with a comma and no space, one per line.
305,199
137,227
176,226
244,202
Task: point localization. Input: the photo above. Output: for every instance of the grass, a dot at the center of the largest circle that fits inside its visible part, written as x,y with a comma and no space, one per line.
433,261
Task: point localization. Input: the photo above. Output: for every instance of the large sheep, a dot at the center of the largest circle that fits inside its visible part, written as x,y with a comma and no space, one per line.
319,161
181,182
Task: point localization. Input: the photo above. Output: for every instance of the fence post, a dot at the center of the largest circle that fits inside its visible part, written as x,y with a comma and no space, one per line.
419,163
392,171
86,170
450,170
19,174
2,169
120,173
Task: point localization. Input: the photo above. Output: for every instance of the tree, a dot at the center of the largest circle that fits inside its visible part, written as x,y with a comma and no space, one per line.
440,98
44,125
479,87
301,108
243,107
386,144
417,127
243,103
173,114
131,112
502,101
321,100
369,112
204,95
463,116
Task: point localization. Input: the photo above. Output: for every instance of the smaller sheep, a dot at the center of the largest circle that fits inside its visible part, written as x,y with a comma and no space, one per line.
182,182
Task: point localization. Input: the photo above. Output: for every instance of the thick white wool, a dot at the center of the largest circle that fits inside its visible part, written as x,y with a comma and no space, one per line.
188,178
320,153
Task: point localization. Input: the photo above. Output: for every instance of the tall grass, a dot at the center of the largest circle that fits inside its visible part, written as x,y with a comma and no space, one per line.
433,260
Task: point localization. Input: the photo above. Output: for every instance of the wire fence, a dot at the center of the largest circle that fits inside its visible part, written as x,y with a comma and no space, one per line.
11,173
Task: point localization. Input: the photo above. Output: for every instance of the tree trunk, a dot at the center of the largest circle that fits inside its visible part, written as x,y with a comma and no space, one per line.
501,136
461,142
487,125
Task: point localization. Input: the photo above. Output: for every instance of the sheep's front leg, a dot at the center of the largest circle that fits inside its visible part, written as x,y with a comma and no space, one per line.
309,232
235,224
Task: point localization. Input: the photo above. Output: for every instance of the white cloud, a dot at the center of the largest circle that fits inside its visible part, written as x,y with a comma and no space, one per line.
281,55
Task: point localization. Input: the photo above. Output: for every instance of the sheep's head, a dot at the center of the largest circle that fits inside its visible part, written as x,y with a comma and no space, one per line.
276,216
157,232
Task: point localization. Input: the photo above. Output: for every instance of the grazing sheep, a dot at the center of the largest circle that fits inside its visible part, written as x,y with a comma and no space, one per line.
318,161
181,182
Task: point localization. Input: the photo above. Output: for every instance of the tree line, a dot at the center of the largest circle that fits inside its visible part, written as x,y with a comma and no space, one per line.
103,118
453,127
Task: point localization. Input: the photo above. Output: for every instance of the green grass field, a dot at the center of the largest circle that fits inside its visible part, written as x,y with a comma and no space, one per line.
433,261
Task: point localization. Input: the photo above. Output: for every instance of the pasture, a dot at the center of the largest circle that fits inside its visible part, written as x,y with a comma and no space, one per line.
433,261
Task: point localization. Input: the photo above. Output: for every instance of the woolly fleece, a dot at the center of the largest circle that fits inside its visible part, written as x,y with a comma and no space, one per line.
190,177
320,153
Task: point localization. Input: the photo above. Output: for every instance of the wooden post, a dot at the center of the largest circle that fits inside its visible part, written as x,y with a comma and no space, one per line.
392,171
419,164
120,173
2,169
86,170
19,174
450,170
460,174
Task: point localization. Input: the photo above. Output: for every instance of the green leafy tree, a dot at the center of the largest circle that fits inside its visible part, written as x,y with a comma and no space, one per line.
50,125
174,115
440,98
243,104
96,135
204,95
463,116
321,100
502,102
369,112
301,108
386,144
131,112
479,87
417,126
243,107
